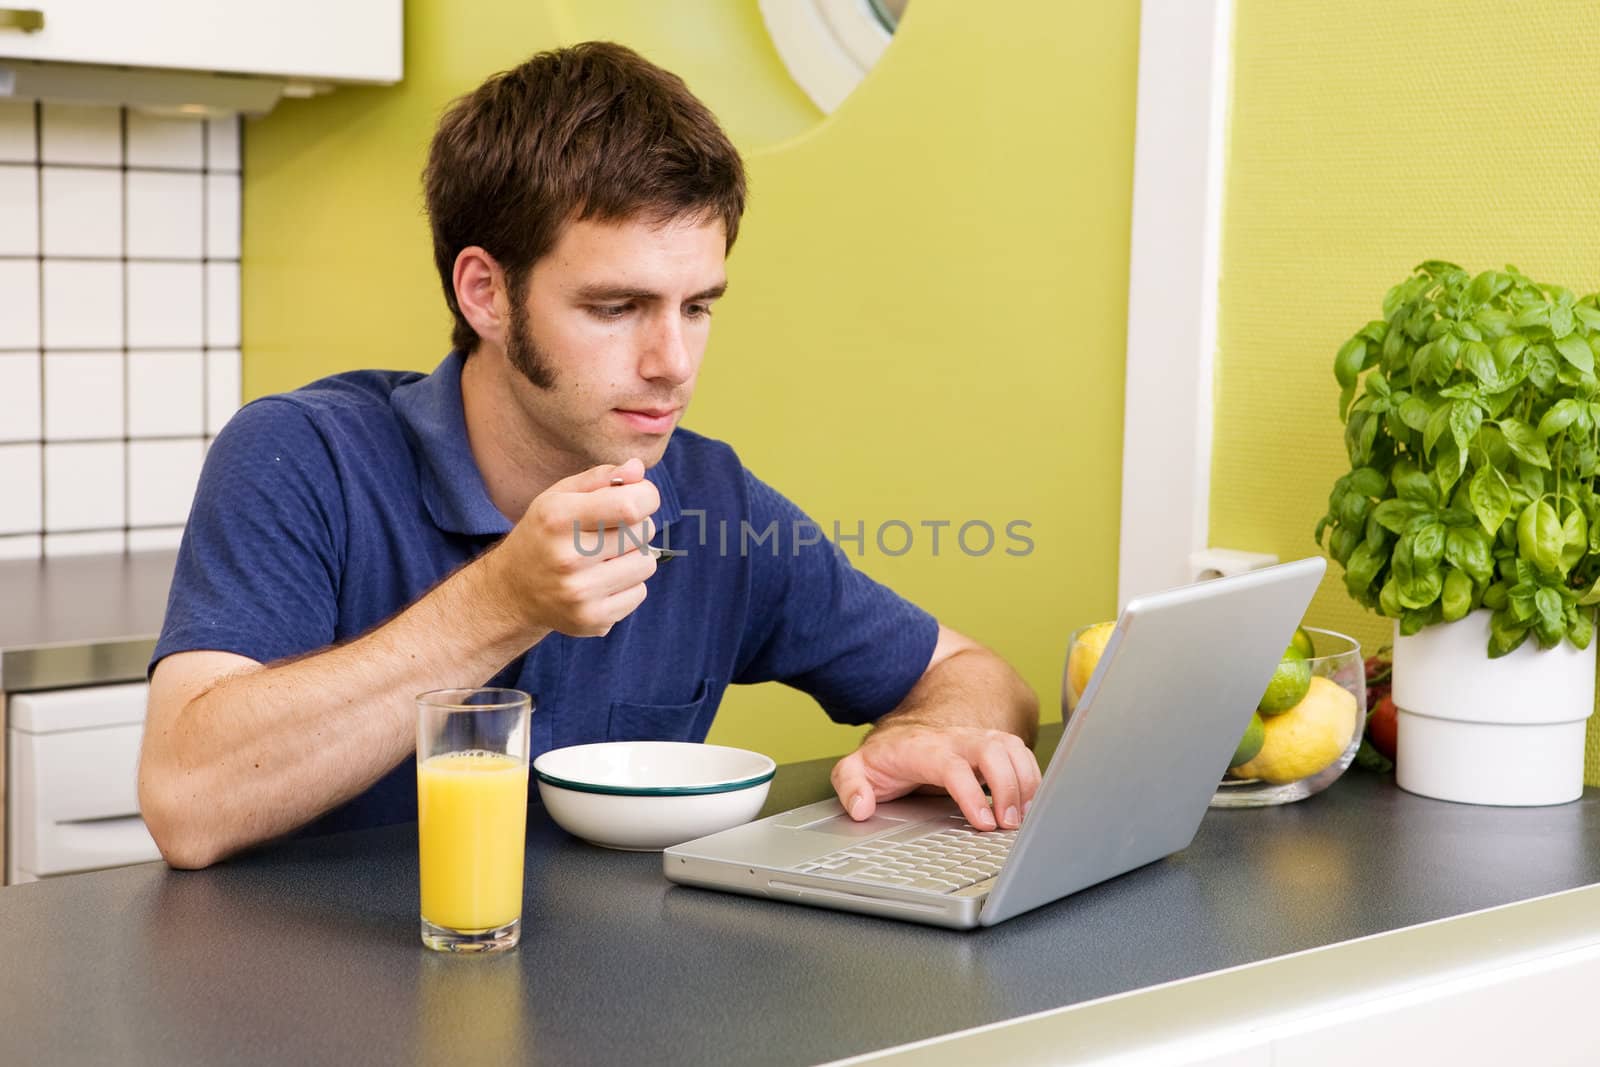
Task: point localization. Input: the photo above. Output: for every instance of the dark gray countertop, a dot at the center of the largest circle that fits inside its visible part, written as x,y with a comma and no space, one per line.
307,951
81,620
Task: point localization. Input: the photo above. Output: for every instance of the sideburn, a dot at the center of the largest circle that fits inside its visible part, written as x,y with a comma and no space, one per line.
521,349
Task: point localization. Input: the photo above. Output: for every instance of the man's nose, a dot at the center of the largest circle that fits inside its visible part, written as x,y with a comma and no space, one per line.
667,354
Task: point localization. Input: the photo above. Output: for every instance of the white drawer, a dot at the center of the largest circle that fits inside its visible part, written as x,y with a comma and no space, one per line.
56,710
74,800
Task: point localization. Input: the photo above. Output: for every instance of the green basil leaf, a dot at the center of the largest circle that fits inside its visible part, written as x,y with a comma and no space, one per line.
1525,443
1438,423
1414,412
1344,542
1508,348
1560,321
1505,634
1423,589
1530,479
1562,413
1588,315
1360,570
1410,483
1449,465
1394,514
1345,396
1539,536
1465,418
1479,361
1543,368
1368,481
1467,549
1495,597
1537,315
1389,599
1580,629
1427,545
1442,363
1576,351
1455,597
1491,499
1347,364
1575,538
1549,620
1521,602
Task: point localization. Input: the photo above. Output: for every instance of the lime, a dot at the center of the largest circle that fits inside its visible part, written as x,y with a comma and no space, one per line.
1289,684
1087,649
1303,642
1255,735
1306,738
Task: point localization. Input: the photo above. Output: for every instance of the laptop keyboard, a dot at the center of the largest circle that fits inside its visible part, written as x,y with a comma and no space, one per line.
942,860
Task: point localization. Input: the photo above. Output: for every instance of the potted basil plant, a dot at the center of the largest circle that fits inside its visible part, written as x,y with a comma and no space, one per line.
1470,517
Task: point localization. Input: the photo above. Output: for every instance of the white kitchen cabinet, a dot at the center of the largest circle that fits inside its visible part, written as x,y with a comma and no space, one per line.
313,40
73,792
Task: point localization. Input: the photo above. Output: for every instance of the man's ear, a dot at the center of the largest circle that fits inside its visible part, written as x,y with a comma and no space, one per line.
481,293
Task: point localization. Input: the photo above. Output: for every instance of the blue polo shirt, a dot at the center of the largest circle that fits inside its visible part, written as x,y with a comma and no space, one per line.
323,512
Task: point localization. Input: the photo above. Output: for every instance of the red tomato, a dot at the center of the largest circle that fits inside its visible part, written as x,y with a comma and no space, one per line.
1382,726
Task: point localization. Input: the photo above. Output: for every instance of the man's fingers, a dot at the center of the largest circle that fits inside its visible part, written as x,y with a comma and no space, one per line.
1026,765
962,785
855,790
1001,774
619,573
609,542
626,505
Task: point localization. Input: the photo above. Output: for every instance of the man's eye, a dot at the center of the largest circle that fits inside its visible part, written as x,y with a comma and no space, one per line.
698,311
609,311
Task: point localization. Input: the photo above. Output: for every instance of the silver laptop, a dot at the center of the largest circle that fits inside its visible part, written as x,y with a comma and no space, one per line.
1128,785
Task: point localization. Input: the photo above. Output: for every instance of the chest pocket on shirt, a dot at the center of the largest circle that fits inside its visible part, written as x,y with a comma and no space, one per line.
662,722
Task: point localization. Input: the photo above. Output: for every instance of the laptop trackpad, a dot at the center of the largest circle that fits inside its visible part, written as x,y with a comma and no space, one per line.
845,826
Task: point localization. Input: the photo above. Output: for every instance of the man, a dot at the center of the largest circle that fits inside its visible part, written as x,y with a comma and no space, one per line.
378,534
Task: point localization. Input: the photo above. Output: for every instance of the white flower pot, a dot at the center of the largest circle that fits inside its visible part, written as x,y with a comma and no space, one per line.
1477,730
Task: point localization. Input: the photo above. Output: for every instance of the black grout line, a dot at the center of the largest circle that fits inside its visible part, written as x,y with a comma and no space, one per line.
185,260
115,167
205,275
95,350
127,362
38,188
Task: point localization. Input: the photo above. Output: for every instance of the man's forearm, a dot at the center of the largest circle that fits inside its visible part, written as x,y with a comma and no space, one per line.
266,750
971,687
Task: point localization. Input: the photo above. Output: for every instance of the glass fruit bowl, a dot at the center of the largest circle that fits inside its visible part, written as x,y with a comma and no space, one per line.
1307,730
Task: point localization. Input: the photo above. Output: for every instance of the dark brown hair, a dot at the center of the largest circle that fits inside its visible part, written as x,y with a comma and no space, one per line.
595,131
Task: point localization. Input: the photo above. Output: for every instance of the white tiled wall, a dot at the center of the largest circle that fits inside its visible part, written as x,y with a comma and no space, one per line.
119,321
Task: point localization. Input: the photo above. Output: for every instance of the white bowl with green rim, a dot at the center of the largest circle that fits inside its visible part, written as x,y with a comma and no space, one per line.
644,796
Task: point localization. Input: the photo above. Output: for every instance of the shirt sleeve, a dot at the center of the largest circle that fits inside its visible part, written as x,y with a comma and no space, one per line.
820,625
258,568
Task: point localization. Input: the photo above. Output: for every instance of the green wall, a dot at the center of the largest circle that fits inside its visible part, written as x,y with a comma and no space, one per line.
928,301
1367,136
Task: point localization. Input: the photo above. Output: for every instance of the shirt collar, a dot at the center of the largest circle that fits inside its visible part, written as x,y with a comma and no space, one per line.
452,488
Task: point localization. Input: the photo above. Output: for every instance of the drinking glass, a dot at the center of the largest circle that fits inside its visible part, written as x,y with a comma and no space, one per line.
472,813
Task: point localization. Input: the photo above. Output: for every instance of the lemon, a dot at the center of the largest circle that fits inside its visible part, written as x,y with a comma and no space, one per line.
1307,737
1302,641
1289,684
1084,657
1255,735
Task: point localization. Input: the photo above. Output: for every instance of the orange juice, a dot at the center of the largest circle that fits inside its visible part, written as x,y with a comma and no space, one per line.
472,813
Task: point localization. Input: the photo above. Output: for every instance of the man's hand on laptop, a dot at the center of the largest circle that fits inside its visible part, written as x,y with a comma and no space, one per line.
902,756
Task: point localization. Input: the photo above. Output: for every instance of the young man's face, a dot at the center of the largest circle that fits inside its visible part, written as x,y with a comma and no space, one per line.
612,332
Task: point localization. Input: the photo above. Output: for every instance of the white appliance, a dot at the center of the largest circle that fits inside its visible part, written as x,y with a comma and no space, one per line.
72,776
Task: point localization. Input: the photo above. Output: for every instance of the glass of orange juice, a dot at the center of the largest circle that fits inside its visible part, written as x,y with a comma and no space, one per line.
472,815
